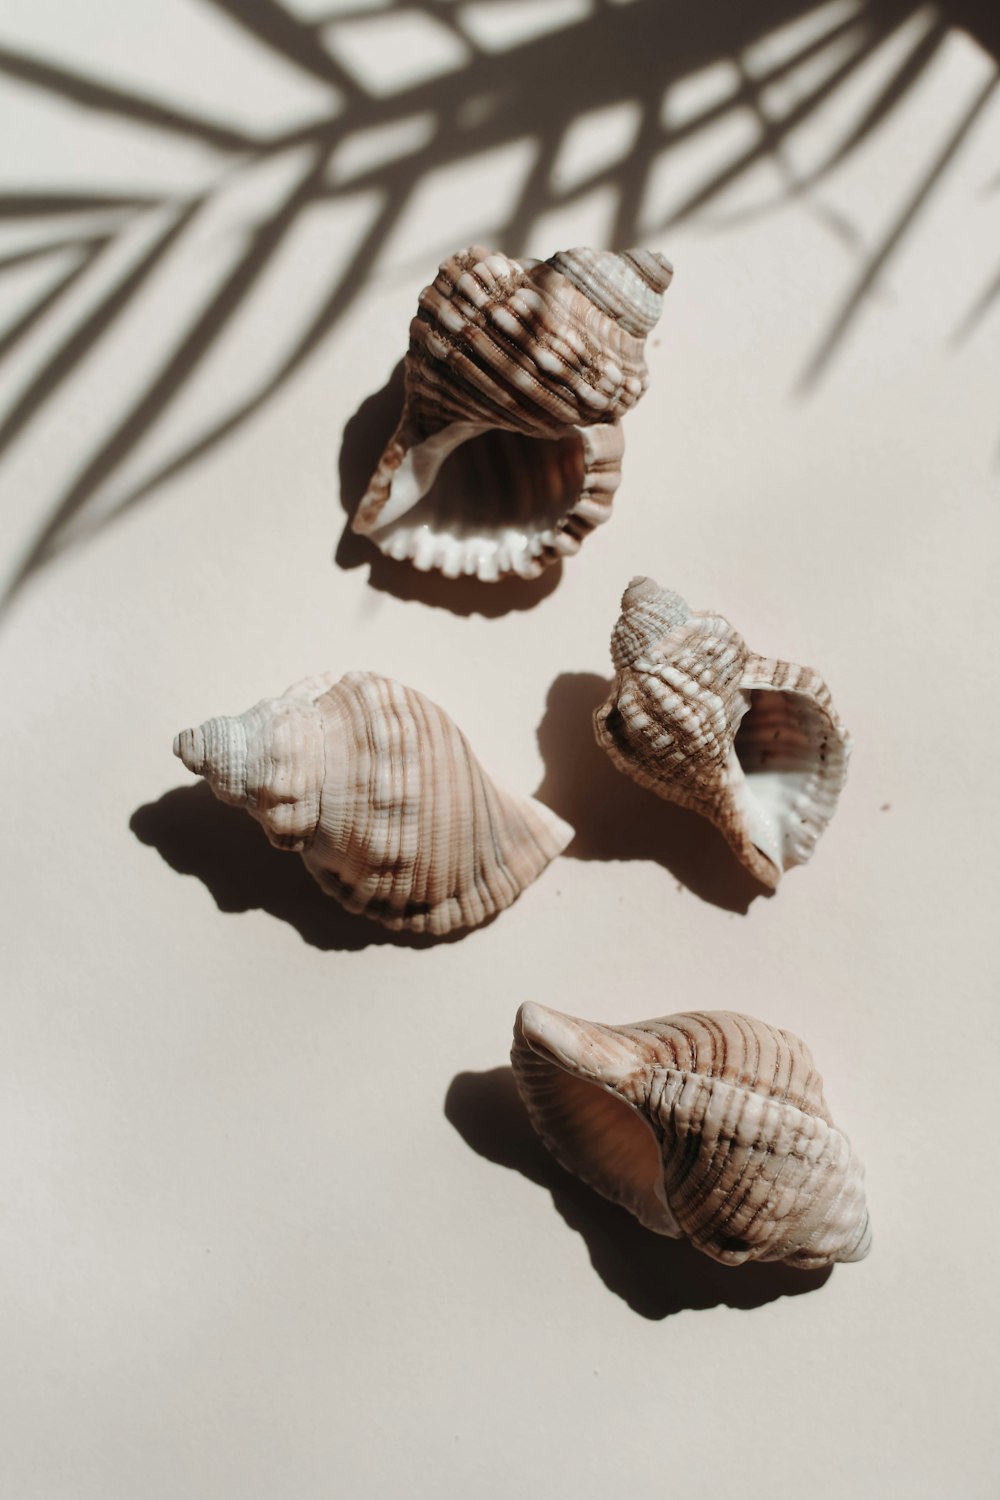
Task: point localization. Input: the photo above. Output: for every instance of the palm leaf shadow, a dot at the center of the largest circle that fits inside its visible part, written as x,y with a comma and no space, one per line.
614,55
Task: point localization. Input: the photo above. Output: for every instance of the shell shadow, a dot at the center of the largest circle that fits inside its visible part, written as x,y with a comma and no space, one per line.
198,835
365,436
617,819
657,1277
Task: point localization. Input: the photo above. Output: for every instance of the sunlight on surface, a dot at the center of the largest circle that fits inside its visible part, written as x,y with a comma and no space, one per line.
497,28
443,214
698,93
286,299
150,186
364,150
387,53
805,79
594,141
318,11
679,172
228,75
788,42
586,220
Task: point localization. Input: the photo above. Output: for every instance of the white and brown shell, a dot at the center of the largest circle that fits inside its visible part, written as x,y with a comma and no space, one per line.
526,369
710,1127
381,794
753,744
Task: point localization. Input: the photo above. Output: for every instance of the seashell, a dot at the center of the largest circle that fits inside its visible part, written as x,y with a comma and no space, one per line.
753,744
381,794
526,368
710,1127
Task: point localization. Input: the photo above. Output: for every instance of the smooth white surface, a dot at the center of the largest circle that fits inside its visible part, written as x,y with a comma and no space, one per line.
244,1252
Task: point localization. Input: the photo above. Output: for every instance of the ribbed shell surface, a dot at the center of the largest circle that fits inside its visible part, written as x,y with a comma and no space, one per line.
541,349
412,831
709,1126
518,344
696,717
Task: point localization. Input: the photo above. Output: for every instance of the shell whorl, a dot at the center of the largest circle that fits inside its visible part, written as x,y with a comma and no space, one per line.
628,285
268,760
549,351
709,1126
751,743
382,795
648,613
218,751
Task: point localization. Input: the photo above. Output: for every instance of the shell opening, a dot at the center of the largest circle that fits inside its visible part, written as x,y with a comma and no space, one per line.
481,503
793,766
593,1132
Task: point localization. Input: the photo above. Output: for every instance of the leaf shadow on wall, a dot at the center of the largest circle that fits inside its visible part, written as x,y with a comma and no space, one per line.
198,835
657,1277
365,437
615,818
631,56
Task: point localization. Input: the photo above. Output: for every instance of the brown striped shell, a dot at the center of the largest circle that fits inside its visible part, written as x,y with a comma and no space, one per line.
753,744
381,794
710,1127
522,370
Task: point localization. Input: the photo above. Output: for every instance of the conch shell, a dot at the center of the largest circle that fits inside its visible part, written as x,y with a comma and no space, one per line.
709,1127
544,357
381,794
753,744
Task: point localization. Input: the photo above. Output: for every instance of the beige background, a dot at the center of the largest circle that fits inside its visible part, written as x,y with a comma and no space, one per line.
270,1221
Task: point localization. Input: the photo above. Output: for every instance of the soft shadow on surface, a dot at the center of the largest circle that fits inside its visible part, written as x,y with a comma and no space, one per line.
365,437
617,819
657,1277
502,93
198,835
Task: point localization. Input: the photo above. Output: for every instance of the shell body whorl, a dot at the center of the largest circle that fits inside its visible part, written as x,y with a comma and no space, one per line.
753,744
548,353
380,792
708,1126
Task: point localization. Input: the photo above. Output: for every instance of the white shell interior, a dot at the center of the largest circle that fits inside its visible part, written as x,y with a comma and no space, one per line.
475,501
780,776
607,1143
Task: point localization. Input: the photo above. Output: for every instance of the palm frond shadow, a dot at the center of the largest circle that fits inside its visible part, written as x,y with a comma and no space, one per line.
633,54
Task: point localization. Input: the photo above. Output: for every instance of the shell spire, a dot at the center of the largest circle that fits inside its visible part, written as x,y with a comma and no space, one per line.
751,743
382,795
628,285
708,1126
508,450
648,614
268,760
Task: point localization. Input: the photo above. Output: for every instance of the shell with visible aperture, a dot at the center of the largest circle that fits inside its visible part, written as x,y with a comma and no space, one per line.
381,794
710,1127
526,369
753,744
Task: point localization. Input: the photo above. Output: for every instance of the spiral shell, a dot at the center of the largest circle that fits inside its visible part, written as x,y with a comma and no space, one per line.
710,1127
753,744
537,361
381,794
